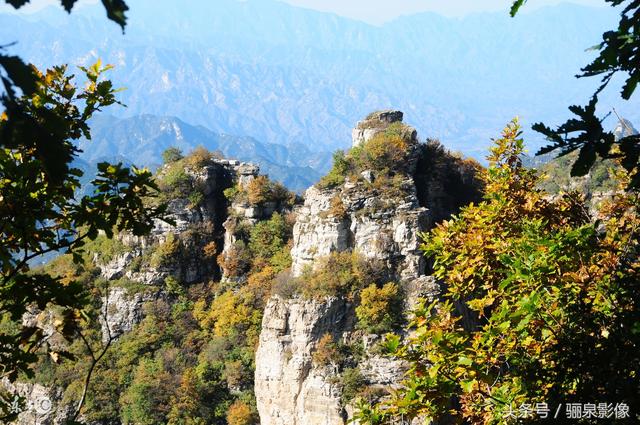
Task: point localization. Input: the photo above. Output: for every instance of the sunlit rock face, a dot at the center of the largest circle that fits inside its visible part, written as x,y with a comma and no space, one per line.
290,389
374,124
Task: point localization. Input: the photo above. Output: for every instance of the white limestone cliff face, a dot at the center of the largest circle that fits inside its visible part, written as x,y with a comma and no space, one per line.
122,310
208,217
374,124
42,405
388,234
378,226
289,388
315,235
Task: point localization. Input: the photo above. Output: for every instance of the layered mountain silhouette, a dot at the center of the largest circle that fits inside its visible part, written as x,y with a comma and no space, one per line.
293,76
141,139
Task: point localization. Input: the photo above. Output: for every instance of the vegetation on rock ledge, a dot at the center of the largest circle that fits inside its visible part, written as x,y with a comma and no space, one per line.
553,315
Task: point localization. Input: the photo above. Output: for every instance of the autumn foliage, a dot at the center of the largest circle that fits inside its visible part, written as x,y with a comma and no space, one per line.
550,304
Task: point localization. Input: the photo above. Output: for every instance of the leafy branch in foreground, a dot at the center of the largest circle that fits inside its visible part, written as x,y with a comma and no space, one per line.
18,77
39,211
619,52
540,305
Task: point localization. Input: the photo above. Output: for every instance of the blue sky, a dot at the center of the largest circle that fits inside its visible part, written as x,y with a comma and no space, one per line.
379,11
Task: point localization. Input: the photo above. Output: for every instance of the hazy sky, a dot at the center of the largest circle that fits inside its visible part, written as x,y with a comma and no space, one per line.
378,11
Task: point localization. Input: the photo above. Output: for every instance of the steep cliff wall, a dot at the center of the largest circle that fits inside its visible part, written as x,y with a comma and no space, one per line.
203,285
136,271
379,214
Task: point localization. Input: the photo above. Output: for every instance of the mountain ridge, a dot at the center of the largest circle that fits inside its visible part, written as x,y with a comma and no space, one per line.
142,139
291,76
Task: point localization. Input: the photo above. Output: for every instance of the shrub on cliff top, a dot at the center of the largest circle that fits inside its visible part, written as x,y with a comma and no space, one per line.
336,176
259,191
174,179
384,151
199,157
387,153
172,154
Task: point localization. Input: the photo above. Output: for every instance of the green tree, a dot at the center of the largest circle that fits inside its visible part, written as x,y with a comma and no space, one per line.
268,237
619,53
39,210
40,119
146,401
44,134
380,309
541,305
186,403
172,154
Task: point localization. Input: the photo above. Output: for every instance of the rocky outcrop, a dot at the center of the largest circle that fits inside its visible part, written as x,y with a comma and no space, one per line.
194,226
122,310
374,124
253,199
388,233
382,224
289,389
41,405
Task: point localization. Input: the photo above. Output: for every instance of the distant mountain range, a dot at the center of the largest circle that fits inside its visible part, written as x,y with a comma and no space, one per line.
142,139
283,75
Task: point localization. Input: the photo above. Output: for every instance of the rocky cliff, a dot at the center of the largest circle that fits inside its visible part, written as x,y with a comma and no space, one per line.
380,215
134,272
243,251
173,252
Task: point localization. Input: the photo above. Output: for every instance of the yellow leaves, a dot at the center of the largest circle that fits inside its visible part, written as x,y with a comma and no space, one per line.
229,314
480,304
36,71
200,312
95,68
561,273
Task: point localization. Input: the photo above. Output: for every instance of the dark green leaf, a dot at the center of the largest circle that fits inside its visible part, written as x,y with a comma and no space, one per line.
515,7
586,158
19,73
116,11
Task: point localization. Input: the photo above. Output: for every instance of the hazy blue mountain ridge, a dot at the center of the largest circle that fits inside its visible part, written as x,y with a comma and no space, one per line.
142,139
293,76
